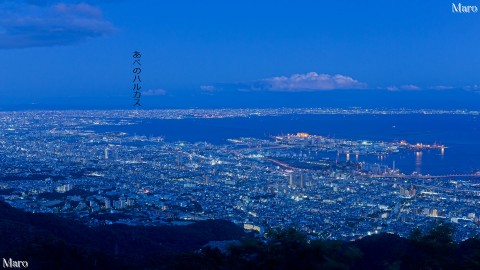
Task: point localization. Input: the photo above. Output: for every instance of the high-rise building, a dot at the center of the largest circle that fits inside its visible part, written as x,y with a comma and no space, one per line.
107,204
298,179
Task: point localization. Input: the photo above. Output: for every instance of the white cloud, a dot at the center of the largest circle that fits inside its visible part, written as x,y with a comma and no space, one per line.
311,82
409,87
154,92
442,87
208,88
472,87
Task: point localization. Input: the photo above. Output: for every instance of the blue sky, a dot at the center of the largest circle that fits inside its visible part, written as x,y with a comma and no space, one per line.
65,52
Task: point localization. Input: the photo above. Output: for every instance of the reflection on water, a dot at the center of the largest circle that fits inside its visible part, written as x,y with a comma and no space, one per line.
424,162
418,162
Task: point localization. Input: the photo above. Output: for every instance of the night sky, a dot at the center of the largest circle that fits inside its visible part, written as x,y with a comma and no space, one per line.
62,54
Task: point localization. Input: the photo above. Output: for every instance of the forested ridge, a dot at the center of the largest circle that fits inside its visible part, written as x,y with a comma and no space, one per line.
50,242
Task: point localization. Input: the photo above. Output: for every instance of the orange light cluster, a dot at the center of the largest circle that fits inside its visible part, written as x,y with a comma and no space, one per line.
302,135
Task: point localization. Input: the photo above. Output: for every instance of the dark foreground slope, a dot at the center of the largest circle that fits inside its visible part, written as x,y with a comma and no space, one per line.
289,249
50,242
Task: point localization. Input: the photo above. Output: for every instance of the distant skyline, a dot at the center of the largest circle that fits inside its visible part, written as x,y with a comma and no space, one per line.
239,54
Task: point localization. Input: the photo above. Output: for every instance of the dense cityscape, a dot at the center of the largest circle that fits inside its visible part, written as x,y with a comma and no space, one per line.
55,162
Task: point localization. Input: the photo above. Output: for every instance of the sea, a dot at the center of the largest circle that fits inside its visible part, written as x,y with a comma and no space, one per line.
459,133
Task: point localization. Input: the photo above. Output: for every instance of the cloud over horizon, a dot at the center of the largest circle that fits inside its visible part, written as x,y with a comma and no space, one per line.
314,82
409,87
308,82
475,88
26,25
154,92
311,81
208,88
